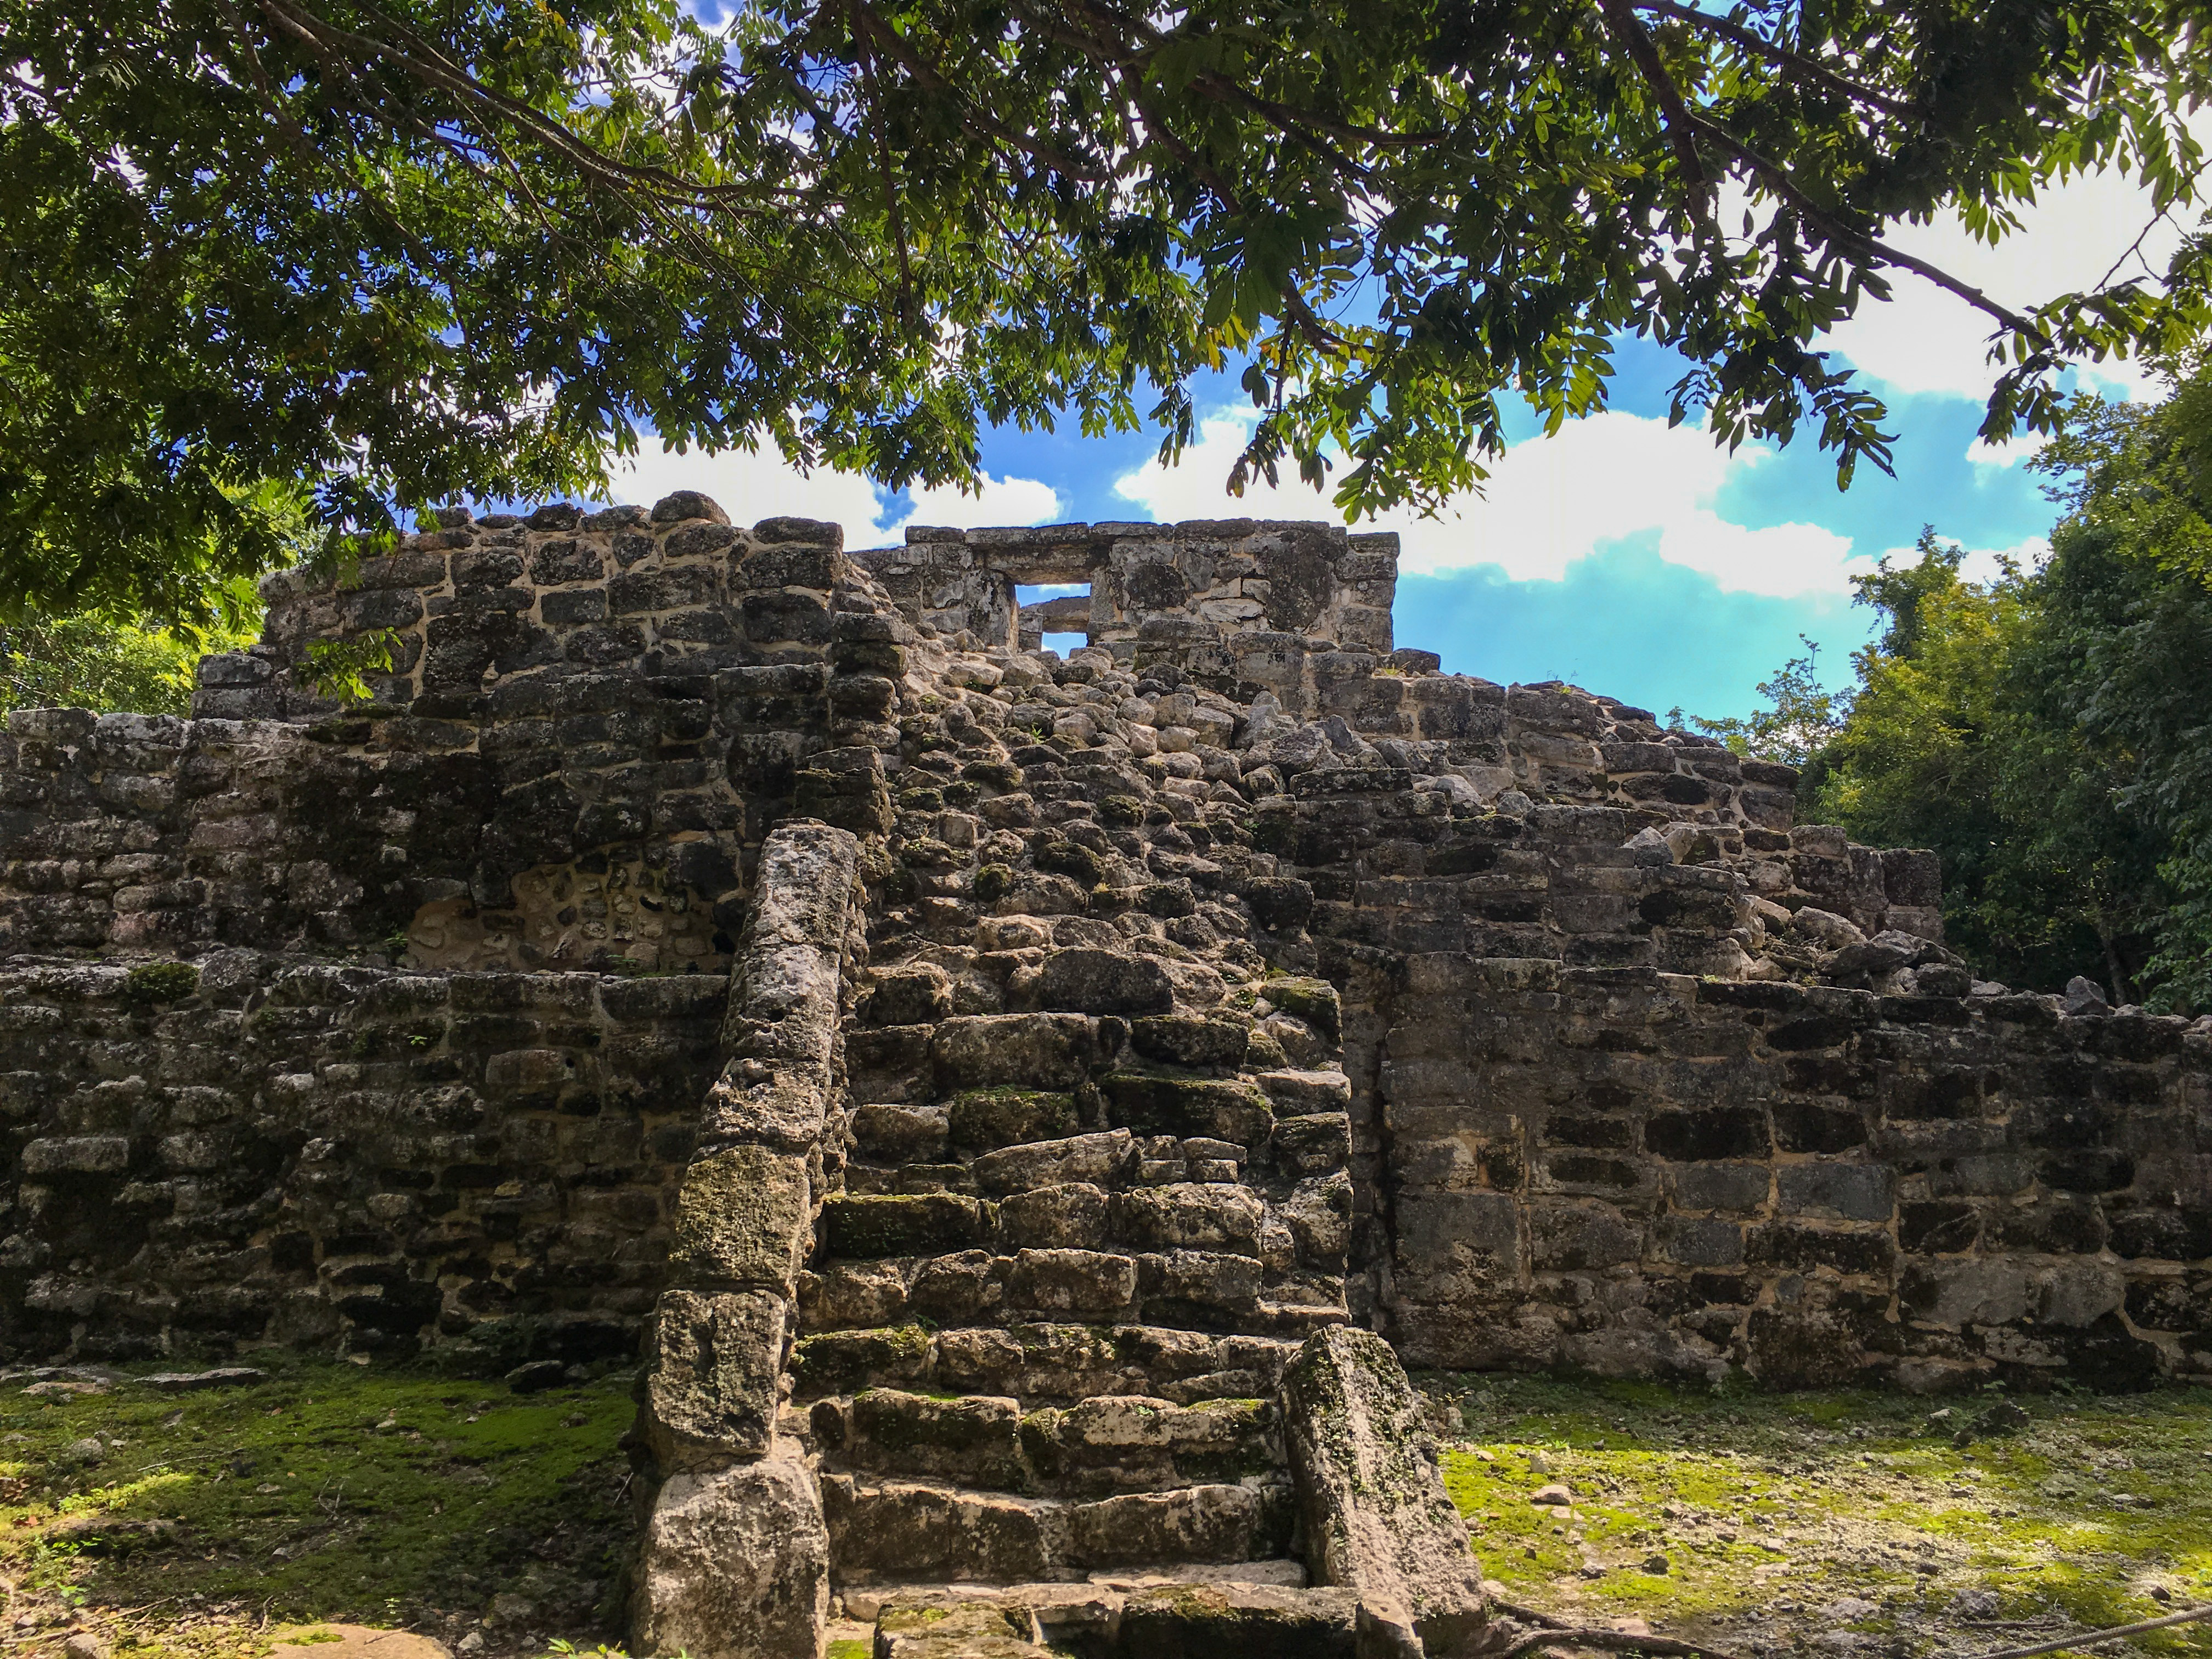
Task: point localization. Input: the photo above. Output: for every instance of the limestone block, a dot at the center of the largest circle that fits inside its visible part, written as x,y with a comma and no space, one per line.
885,1224
1100,1159
974,1441
744,1216
1196,1523
1300,1093
784,1005
1213,1043
77,1154
917,1627
734,1564
900,1134
1217,1109
1212,1284
1313,1143
1078,1283
1189,1215
1239,1621
1010,1116
1377,1519
1067,1216
918,1530
711,1386
1037,1051
1088,981
779,1106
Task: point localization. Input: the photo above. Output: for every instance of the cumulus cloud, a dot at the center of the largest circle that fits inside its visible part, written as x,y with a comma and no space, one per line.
762,484
2023,446
1926,340
1612,478
1986,564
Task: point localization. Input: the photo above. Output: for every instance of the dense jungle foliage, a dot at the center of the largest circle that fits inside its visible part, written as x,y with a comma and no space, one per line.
2048,731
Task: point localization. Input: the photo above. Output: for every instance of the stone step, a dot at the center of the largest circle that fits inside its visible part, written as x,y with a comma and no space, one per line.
1043,1364
1096,1447
1115,1617
936,1531
1196,1290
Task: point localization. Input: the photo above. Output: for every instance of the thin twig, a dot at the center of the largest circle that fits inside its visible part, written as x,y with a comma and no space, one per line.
1751,41
1556,1629
2099,1637
1612,1641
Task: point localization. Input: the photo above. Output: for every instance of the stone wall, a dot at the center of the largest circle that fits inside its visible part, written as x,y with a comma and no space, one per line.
254,1148
1152,586
594,721
590,721
1624,1113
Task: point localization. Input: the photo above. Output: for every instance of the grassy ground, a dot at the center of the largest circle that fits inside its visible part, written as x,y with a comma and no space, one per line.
1839,1522
194,1526
200,1524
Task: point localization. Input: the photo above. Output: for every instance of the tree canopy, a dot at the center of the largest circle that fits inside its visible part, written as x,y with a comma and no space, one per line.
395,252
2049,732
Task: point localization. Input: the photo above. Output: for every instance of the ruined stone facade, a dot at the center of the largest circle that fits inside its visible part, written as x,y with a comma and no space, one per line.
996,1085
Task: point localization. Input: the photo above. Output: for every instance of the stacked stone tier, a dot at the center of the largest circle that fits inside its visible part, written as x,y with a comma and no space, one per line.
1090,1195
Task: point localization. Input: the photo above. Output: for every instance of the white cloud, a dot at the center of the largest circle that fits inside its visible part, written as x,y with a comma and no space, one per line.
1549,502
1927,340
763,485
2022,448
1985,564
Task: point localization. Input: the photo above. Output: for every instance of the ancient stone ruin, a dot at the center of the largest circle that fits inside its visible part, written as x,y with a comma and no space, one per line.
1028,1107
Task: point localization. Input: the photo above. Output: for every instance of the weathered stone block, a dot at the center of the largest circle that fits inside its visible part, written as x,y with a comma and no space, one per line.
1189,1215
1219,1110
1377,1518
893,1526
1066,1216
1102,1160
744,1216
887,1224
1197,1524
1081,1284
1091,981
1007,1117
734,1564
1034,1051
710,1387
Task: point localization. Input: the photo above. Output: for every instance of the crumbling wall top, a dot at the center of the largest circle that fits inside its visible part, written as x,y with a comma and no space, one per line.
1214,577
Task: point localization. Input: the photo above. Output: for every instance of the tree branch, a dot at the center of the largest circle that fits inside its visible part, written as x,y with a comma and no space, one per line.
1811,69
1836,230
1620,18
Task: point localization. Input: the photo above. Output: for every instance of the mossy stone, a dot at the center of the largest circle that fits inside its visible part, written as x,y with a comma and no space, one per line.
985,1118
744,1216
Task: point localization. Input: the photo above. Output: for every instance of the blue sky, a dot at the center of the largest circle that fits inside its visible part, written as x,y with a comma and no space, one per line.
1624,556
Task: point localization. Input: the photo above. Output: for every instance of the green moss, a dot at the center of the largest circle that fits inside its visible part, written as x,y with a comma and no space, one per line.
849,1647
1759,1500
1010,1116
329,1492
155,983
1313,1000
992,883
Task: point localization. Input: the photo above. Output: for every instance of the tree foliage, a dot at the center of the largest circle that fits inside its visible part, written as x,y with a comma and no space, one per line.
2050,733
91,661
406,250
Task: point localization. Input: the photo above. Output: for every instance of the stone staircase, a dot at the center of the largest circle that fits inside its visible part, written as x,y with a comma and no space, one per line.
1009,1286
1087,1208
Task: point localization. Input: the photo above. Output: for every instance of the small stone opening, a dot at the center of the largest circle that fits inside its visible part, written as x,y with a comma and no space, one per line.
1054,615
